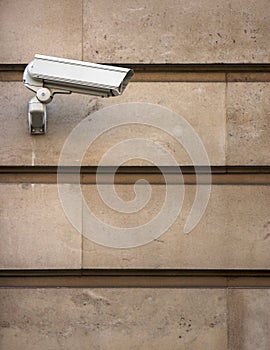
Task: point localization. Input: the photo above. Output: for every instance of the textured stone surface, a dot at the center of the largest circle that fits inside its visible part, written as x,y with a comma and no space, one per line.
35,233
46,27
249,319
233,233
138,319
201,104
176,31
248,124
64,112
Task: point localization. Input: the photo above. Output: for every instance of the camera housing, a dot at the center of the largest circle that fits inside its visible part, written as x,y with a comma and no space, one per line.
48,76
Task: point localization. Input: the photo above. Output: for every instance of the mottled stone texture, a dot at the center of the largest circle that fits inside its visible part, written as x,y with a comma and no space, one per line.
136,31
233,233
120,319
46,27
248,124
249,319
201,104
176,31
35,233
232,120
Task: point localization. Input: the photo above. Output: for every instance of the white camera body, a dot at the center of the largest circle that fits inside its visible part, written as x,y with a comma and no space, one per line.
48,75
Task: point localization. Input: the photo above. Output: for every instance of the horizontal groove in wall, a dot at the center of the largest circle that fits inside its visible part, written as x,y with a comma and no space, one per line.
188,179
138,278
185,169
173,72
186,67
129,175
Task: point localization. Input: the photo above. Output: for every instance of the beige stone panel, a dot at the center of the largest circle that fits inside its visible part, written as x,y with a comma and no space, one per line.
48,27
248,124
138,319
233,232
201,104
176,31
249,319
35,234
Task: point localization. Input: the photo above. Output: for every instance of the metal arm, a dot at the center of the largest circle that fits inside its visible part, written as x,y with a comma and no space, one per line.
37,115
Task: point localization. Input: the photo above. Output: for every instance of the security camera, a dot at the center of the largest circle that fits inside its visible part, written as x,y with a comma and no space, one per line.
47,75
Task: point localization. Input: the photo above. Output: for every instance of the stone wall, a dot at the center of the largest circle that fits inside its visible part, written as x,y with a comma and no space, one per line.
208,61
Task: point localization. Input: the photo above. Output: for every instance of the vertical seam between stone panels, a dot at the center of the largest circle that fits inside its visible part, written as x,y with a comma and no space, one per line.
226,119
81,232
228,318
82,3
